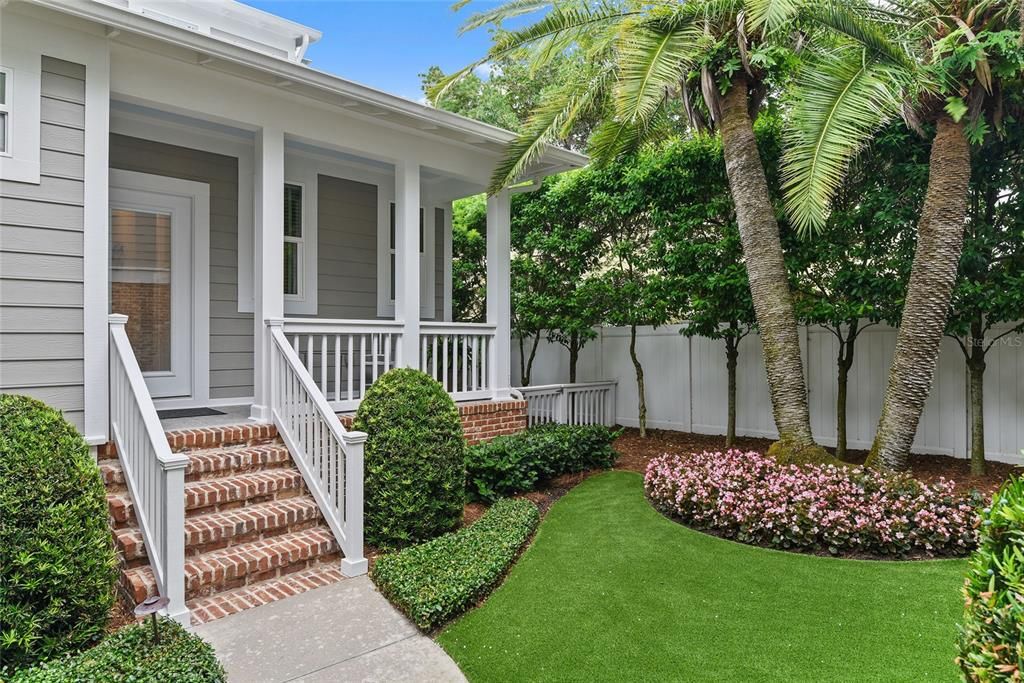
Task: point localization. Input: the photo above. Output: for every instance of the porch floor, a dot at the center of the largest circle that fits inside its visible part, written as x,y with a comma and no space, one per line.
233,415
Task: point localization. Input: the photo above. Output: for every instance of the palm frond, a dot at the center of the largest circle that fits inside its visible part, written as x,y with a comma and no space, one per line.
770,16
503,12
850,22
839,103
652,58
566,23
555,114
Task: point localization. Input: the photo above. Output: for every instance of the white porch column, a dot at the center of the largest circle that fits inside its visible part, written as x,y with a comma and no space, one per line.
407,258
268,266
499,288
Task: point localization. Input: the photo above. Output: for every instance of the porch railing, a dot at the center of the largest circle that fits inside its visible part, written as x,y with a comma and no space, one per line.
344,357
459,356
155,476
576,404
329,457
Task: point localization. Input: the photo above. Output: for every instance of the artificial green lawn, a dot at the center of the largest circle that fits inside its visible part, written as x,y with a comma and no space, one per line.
611,590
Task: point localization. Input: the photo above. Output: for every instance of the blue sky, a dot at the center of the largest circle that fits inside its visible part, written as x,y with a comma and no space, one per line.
385,43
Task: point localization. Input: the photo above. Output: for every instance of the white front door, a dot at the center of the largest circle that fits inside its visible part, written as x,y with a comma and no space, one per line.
159,279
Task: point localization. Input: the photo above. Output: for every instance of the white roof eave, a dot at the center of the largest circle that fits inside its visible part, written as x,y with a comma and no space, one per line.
555,159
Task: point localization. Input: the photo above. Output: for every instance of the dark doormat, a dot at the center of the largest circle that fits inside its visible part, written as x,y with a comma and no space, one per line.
187,412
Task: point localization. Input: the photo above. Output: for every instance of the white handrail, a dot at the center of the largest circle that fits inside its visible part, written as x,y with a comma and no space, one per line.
329,457
582,403
155,476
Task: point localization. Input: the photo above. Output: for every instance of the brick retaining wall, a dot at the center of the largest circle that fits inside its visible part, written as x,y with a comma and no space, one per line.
483,420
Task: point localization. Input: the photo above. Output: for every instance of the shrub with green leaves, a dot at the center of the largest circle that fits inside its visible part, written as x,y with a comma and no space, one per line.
507,465
415,462
57,563
992,635
438,580
130,655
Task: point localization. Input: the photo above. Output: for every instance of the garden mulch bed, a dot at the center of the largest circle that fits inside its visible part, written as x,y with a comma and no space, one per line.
637,452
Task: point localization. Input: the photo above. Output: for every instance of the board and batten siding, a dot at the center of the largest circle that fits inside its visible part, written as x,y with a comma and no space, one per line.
41,255
231,332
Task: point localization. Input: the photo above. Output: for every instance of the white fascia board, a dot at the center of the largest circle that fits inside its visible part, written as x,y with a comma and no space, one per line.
114,18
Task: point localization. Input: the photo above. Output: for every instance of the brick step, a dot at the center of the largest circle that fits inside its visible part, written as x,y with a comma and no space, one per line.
216,530
260,593
211,463
243,564
207,437
214,495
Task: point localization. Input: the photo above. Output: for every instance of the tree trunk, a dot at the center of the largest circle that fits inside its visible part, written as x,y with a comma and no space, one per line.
732,354
642,405
527,372
769,284
940,232
976,369
574,356
844,363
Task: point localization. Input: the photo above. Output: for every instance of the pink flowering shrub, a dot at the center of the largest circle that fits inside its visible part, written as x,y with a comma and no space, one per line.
753,499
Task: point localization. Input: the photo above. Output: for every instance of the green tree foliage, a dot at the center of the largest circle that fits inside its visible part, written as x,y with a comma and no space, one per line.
469,259
988,297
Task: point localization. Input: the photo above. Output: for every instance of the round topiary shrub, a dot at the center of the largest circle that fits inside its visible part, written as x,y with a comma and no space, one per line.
415,468
57,564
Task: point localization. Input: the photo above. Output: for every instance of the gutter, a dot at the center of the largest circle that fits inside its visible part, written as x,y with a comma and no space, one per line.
117,19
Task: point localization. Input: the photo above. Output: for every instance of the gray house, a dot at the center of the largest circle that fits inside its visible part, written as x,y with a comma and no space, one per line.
194,217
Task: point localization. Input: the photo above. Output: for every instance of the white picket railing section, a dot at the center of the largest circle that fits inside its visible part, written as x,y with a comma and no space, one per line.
155,476
459,356
577,404
344,357
329,457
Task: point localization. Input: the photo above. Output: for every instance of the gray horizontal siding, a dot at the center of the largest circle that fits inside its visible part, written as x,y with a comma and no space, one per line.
41,250
346,249
231,364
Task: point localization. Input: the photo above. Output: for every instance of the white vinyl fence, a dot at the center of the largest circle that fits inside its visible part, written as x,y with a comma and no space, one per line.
686,386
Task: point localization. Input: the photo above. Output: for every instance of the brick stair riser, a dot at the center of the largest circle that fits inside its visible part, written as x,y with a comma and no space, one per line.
215,464
227,570
204,534
209,437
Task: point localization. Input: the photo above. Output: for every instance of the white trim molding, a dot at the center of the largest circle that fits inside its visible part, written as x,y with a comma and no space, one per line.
23,44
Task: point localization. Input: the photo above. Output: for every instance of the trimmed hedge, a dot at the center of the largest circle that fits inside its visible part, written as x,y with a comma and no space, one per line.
992,636
438,580
415,462
130,655
507,465
57,562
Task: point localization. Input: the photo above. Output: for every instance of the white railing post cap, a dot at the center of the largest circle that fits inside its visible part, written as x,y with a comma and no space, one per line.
354,438
117,319
274,322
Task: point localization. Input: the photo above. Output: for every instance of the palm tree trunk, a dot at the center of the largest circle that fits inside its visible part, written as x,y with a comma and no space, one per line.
642,405
769,284
940,232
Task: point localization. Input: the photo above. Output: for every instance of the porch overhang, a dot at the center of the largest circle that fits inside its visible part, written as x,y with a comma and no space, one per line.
139,30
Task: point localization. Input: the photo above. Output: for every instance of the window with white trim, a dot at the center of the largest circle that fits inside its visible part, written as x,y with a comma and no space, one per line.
393,252
5,109
293,241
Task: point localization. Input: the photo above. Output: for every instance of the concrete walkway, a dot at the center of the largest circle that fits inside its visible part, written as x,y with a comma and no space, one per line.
343,632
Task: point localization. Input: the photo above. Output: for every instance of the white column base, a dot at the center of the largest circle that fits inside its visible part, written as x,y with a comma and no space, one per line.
353,567
259,413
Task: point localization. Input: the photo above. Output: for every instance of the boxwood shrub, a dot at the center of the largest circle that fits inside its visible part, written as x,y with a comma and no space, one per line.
415,462
57,563
438,580
512,464
131,655
992,636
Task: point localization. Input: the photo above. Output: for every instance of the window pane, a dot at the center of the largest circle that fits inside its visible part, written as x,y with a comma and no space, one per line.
421,230
3,131
3,87
140,283
392,277
292,211
291,268
392,226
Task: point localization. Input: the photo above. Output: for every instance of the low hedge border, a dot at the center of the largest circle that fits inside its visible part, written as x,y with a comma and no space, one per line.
507,465
131,655
436,581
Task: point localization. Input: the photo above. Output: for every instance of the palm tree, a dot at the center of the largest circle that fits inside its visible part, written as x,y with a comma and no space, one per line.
946,65
712,60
